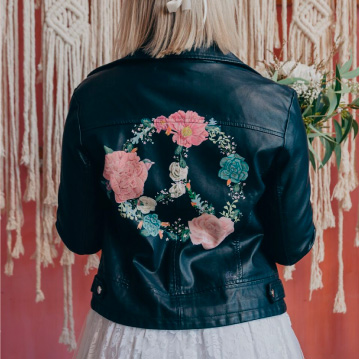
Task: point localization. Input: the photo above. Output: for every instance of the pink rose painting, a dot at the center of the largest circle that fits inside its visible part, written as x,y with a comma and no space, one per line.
188,128
127,174
209,230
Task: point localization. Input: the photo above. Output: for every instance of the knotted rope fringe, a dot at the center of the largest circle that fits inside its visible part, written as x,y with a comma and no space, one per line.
67,336
10,132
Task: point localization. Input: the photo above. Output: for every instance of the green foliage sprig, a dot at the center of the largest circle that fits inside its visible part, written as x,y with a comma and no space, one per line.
325,104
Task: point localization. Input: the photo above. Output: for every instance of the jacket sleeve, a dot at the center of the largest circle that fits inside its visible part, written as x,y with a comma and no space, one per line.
79,214
288,215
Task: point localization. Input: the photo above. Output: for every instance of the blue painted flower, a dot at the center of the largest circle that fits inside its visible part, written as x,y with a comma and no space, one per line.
151,224
235,168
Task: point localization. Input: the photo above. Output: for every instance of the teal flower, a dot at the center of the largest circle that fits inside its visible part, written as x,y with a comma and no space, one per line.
151,224
234,168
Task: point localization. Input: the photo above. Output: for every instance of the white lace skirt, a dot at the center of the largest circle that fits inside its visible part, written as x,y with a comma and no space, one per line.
266,338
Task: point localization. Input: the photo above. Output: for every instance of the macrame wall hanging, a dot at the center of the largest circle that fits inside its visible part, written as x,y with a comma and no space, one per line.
77,36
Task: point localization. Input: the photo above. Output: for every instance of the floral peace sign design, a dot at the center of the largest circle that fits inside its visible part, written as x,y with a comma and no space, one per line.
125,174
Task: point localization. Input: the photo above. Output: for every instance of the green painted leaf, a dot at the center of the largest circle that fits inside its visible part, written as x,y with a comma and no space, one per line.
172,235
147,122
108,149
182,162
178,150
160,197
145,232
236,187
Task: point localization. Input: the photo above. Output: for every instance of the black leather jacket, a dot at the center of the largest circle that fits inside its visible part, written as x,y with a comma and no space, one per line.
191,174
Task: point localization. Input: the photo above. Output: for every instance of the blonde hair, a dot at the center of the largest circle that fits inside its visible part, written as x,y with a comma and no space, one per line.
148,24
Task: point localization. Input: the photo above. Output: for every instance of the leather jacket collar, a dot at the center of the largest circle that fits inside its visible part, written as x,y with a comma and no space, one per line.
211,53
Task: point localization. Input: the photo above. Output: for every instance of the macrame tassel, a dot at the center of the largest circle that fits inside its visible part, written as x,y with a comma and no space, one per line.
93,262
339,302
285,29
356,241
67,336
3,120
316,281
10,131
288,272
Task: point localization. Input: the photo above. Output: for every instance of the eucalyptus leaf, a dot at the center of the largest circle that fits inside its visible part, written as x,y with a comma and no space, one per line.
355,102
321,134
351,74
338,131
355,128
338,85
329,147
275,76
333,102
348,120
292,80
347,65
338,152
314,153
312,160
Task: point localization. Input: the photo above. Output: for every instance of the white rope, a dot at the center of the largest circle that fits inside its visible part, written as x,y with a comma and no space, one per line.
10,131
93,262
339,302
67,336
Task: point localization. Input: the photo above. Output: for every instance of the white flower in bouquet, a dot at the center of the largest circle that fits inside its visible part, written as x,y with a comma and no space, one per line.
296,69
308,83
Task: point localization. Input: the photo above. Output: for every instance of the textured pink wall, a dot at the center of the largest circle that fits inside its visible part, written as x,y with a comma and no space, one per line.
31,330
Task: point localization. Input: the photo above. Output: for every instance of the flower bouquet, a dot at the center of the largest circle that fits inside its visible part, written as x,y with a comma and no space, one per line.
320,94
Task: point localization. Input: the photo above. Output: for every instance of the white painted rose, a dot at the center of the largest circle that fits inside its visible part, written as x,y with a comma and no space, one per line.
146,204
177,189
177,172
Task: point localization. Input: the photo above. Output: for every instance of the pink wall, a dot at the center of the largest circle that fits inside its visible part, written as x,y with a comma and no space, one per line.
31,330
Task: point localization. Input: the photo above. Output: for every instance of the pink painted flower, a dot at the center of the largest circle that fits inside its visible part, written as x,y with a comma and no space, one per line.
126,173
161,123
209,230
188,128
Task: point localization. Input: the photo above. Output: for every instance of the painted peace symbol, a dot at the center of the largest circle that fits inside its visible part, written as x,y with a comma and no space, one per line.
125,175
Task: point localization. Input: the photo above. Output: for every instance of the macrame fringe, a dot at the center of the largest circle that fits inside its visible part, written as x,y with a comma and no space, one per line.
288,272
67,336
93,262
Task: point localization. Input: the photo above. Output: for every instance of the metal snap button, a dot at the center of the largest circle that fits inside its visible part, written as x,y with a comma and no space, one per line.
99,289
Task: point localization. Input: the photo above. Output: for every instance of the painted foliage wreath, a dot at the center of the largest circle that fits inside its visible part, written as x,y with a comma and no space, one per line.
125,175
